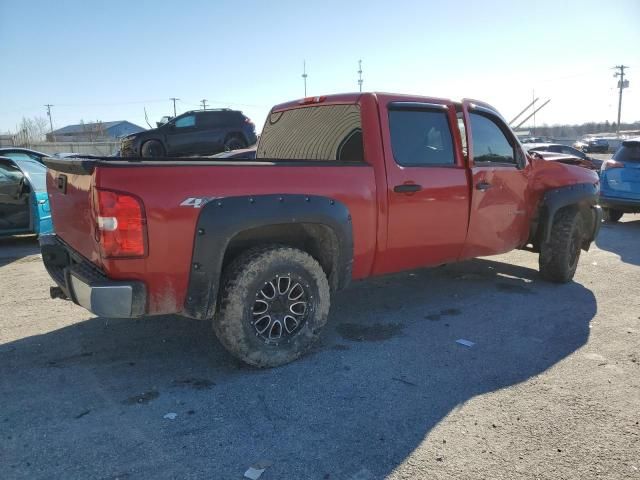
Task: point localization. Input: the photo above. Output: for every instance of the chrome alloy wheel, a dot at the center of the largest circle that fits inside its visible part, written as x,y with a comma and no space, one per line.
280,308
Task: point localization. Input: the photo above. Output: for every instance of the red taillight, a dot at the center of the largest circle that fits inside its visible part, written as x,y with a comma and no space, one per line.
121,225
609,164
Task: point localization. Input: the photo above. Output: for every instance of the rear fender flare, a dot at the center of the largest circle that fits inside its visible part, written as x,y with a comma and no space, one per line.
221,219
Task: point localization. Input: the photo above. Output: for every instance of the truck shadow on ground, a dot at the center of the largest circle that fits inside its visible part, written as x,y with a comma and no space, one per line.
88,400
16,248
626,242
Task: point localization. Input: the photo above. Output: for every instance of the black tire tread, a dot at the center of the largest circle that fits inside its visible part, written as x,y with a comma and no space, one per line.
233,288
554,255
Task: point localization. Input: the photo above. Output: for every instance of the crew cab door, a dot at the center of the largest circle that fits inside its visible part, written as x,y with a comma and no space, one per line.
499,219
427,185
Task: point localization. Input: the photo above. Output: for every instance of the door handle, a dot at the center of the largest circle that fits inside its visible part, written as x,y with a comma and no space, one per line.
407,188
483,186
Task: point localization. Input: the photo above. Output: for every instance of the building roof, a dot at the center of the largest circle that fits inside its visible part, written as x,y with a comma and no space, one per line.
87,127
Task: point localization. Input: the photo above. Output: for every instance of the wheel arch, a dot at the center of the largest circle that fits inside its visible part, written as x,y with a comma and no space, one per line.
583,197
226,227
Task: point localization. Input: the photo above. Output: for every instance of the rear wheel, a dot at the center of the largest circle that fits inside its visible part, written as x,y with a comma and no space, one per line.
152,148
274,303
559,256
234,143
612,215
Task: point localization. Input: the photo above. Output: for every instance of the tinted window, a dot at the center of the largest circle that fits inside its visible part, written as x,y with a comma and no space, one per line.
326,132
218,119
489,142
628,152
420,137
188,121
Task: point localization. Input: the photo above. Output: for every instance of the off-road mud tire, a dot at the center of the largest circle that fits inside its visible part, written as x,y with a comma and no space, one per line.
242,281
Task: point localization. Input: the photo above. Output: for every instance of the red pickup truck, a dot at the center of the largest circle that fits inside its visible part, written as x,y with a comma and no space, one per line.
342,187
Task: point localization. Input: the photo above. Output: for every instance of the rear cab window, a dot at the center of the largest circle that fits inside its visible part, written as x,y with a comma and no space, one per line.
319,132
420,136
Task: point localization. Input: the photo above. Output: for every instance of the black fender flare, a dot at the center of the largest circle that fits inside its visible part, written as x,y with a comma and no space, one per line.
581,195
221,219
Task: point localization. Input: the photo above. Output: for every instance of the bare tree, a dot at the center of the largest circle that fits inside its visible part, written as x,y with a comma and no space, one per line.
93,131
31,130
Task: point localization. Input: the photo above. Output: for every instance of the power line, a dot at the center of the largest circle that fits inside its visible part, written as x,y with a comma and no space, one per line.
174,99
360,74
203,102
622,84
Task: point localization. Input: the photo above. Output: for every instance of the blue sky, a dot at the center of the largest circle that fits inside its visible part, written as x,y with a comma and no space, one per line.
109,60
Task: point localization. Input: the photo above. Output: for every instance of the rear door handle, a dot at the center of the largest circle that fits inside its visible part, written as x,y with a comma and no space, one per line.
407,188
483,186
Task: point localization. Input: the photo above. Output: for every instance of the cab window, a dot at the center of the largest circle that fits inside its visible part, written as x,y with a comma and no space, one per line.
323,132
490,145
420,137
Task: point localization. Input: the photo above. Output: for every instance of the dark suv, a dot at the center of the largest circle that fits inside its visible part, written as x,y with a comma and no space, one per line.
198,132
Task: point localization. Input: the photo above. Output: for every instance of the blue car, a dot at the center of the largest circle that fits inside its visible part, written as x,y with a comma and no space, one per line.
620,182
24,203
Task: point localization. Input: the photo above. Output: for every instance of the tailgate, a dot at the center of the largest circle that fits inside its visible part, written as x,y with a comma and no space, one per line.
69,184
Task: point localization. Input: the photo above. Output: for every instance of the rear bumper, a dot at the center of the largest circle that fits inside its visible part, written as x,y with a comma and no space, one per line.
84,284
625,204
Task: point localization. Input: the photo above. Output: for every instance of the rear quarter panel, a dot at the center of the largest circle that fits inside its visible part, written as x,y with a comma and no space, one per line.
171,227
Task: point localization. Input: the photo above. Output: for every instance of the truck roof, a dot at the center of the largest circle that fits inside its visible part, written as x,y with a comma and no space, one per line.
354,97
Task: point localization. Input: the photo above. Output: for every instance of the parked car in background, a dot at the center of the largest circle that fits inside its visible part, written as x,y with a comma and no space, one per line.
201,132
19,153
592,145
24,203
620,181
242,154
74,155
566,159
567,150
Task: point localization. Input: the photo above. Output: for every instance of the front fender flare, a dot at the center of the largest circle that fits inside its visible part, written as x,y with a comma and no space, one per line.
581,195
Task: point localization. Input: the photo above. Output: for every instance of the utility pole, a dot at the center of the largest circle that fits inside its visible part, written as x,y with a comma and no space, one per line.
622,84
360,74
48,105
304,76
204,103
174,105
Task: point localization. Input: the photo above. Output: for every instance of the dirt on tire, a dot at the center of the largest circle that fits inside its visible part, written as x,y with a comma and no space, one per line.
560,255
241,280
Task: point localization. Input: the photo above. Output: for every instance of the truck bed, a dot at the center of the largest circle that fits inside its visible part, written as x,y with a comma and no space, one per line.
165,187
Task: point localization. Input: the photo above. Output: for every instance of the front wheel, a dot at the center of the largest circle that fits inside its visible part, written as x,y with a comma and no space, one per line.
152,148
274,303
612,215
559,256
